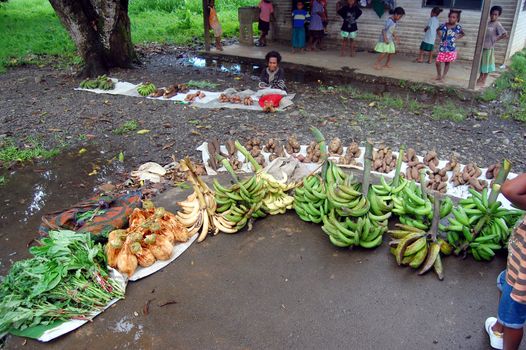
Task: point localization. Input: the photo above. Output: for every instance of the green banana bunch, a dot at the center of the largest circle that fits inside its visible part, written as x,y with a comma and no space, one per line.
480,225
101,82
420,249
413,206
310,200
146,89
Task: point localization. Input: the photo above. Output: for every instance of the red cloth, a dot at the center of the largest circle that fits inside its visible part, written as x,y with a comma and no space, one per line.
447,56
274,98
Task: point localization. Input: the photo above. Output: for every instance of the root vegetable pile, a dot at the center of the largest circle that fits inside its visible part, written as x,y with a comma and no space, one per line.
437,180
492,171
293,146
384,161
431,160
351,154
470,171
274,148
194,96
336,147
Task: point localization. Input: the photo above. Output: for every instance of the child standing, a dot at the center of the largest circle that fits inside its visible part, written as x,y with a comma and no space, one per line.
494,33
428,44
266,10
215,25
505,331
273,76
386,42
316,25
350,13
299,16
325,16
449,33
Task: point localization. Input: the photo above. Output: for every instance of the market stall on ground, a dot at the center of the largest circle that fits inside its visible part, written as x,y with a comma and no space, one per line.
86,255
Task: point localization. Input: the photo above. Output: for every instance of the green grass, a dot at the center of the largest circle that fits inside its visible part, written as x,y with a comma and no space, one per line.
510,88
129,126
449,111
11,152
31,32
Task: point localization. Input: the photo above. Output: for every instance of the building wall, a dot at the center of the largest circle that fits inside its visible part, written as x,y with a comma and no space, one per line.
518,41
410,28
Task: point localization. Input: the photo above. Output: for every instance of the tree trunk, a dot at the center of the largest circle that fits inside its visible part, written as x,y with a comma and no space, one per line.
101,32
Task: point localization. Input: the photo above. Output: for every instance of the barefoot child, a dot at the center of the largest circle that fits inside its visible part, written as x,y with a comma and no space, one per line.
386,42
350,13
299,16
316,25
273,76
449,33
505,331
428,44
266,10
494,33
216,26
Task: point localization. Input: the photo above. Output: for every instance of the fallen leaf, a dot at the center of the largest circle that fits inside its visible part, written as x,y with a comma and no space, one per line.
94,172
143,131
146,307
120,157
196,133
372,104
170,302
82,151
168,145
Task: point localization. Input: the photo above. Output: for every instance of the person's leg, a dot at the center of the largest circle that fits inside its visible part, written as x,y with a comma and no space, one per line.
439,70
353,47
378,64
388,61
219,46
342,51
512,338
420,58
430,59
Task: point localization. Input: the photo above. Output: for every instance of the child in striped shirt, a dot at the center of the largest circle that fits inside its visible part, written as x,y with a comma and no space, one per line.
505,331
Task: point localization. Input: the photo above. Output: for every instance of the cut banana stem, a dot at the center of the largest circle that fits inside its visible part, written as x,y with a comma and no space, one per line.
436,217
422,175
396,179
318,136
248,156
368,158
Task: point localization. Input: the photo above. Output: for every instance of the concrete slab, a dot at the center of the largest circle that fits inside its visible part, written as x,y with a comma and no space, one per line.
284,285
404,67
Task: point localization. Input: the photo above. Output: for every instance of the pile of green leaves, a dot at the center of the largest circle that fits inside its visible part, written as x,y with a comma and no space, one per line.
66,278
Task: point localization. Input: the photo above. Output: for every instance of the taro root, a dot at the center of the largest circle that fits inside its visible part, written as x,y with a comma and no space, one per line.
336,146
384,160
162,248
126,260
293,146
410,156
431,160
492,171
145,257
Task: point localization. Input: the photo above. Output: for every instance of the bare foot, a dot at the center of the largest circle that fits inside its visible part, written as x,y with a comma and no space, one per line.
430,61
387,66
342,54
419,60
377,67
352,54
481,83
438,78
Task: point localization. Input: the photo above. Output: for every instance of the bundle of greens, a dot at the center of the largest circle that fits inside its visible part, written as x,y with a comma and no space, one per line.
65,279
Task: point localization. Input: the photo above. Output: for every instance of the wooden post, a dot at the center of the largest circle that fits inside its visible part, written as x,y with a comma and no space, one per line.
206,16
475,66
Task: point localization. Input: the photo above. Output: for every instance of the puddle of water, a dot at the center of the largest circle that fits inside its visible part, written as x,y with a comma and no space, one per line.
123,326
47,186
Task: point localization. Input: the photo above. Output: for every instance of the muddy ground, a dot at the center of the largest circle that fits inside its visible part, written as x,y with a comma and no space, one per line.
41,102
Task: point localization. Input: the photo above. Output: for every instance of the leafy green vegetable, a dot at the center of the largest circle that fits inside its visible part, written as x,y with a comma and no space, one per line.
66,278
202,84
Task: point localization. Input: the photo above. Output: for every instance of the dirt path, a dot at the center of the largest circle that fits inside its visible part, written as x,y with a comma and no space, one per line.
41,102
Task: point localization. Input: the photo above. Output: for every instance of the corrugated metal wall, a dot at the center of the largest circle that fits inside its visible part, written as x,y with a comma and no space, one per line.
519,36
410,28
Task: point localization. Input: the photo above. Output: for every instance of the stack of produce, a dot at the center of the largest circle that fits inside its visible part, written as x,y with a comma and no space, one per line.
431,160
101,82
146,89
194,96
437,180
173,90
351,155
492,171
254,146
384,161
199,211
480,225
274,148
293,146
313,153
469,176
151,236
336,147
418,248
65,279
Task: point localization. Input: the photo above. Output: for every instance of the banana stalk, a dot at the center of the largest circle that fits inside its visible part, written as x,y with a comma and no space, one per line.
368,158
436,217
422,175
318,136
499,180
248,156
396,179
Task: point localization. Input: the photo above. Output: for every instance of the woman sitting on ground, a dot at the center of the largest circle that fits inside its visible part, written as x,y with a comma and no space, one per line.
273,76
